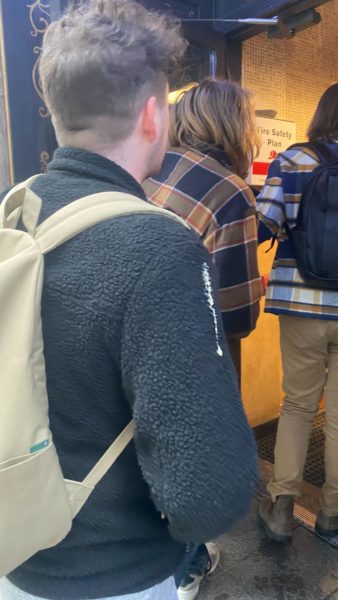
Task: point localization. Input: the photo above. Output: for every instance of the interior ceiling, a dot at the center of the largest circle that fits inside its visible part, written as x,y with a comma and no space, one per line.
218,9
245,9
259,9
232,9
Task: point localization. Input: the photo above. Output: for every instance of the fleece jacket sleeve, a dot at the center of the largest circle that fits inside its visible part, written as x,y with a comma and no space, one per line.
194,446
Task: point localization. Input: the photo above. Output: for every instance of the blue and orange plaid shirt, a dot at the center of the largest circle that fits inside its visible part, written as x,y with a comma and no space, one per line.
220,207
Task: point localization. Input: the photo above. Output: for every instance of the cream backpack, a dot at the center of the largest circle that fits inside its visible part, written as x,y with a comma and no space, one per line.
37,505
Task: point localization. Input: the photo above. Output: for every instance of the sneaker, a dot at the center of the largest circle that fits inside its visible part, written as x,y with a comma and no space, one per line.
277,517
203,564
326,526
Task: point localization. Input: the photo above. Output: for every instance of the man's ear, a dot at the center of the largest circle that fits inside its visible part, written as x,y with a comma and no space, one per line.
148,121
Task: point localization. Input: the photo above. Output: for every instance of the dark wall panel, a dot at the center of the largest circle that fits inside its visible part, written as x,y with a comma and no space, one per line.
32,134
24,23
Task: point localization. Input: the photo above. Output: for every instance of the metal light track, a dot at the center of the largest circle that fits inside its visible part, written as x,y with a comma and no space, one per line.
273,21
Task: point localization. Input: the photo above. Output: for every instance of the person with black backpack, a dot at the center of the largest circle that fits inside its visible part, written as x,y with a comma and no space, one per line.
299,205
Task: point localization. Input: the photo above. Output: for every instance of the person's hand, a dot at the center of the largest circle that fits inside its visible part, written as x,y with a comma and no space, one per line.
265,281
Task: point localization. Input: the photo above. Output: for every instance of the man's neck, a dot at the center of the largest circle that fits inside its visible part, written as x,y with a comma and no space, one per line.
126,159
123,154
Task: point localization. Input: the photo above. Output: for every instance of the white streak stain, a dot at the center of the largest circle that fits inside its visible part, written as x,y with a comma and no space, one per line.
211,303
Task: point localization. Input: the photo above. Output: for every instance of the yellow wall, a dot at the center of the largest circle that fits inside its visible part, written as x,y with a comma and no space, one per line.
288,76
261,364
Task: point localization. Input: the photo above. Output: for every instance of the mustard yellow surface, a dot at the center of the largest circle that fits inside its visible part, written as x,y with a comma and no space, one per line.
261,362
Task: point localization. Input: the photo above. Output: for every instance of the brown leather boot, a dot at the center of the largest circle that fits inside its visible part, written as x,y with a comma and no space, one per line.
326,526
277,517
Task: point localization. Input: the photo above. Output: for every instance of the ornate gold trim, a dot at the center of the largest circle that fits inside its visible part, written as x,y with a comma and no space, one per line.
44,160
6,98
43,110
39,27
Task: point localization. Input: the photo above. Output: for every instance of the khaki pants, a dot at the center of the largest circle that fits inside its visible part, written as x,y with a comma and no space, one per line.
310,364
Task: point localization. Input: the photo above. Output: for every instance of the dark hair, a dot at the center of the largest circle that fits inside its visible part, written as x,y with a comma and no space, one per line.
324,124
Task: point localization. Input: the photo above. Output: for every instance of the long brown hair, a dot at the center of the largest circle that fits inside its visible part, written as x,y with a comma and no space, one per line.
324,124
217,115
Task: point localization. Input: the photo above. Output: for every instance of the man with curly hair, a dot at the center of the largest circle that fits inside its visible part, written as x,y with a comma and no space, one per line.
130,327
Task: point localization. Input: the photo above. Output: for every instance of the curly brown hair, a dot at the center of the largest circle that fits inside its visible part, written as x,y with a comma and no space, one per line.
104,59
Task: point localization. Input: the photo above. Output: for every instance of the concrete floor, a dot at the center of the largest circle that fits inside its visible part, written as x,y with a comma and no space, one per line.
253,568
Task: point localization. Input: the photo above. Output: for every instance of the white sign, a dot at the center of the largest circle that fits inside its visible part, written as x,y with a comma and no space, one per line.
276,136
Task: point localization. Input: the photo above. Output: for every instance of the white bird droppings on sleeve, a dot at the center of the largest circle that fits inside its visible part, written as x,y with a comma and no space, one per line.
211,303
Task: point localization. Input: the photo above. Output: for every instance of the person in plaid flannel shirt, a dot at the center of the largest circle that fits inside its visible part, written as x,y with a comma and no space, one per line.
213,140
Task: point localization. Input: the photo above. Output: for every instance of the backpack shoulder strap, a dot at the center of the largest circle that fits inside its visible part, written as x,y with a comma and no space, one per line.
322,150
82,214
110,456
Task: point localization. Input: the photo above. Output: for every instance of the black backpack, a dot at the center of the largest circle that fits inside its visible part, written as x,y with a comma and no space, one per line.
315,235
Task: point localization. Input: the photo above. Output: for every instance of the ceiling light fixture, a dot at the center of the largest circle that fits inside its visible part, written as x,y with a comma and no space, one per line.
253,21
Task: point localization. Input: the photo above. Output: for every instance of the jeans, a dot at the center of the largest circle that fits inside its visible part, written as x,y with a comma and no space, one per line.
163,591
